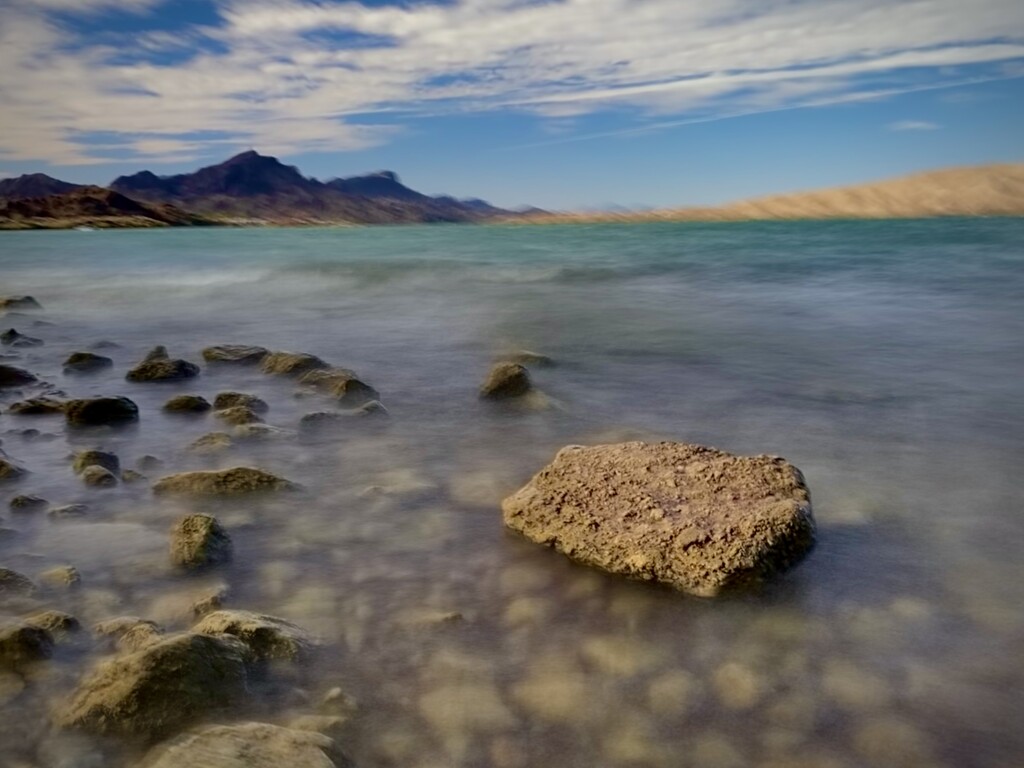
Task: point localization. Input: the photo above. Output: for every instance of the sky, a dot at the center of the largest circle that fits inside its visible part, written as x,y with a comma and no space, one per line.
563,104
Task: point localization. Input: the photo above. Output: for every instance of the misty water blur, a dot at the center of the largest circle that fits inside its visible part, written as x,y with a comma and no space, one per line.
882,358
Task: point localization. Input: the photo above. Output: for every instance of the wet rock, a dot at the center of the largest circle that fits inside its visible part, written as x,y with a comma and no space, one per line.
24,643
211,442
57,623
209,603
158,366
86,362
238,414
148,462
61,577
18,302
226,400
506,380
247,745
222,482
131,476
341,384
187,404
257,432
291,363
695,518
328,419
98,477
527,358
10,471
14,377
160,689
28,503
129,633
198,541
14,584
85,459
68,511
240,354
37,406
100,411
12,338
268,637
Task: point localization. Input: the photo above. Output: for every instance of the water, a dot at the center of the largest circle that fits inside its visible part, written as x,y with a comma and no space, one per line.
883,359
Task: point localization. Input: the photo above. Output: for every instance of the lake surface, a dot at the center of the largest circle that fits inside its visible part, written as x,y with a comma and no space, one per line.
885,359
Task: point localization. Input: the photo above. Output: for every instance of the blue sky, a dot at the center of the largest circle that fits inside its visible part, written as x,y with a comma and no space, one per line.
557,103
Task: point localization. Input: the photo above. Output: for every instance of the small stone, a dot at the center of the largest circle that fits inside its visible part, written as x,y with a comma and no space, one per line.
505,381
245,745
131,476
234,399
342,384
10,472
211,442
68,511
14,377
222,482
86,362
101,411
37,406
198,541
240,354
12,338
98,477
238,414
14,584
187,404
148,462
158,366
18,302
85,459
61,577
291,363
27,503
57,623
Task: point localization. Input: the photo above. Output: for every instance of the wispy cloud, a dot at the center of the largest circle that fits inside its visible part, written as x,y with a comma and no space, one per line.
288,76
912,125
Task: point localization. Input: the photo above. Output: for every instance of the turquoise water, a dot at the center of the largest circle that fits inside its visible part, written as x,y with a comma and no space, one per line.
882,358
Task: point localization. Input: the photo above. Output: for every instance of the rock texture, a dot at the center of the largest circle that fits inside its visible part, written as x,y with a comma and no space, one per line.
14,377
268,637
341,384
129,633
238,414
12,338
19,302
158,366
14,584
10,471
248,745
159,689
291,363
221,482
240,354
187,404
198,541
24,643
100,411
86,362
37,406
692,517
98,477
225,400
506,380
85,459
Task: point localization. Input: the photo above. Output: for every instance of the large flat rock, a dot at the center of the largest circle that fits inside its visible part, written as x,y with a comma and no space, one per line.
695,518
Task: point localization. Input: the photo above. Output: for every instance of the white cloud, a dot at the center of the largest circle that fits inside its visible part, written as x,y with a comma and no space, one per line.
913,125
294,75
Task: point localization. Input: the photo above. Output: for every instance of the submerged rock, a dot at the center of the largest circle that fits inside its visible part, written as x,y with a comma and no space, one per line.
57,623
85,459
158,366
19,302
24,643
268,637
198,541
211,442
61,577
506,380
238,414
341,384
37,406
226,400
240,354
692,517
528,358
14,377
100,411
129,633
86,362
291,363
10,471
27,503
312,422
159,689
67,511
14,584
245,745
12,338
149,462
187,404
98,477
222,482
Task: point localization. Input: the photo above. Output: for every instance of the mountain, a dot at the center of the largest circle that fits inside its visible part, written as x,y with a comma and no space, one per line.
34,185
95,207
986,190
254,186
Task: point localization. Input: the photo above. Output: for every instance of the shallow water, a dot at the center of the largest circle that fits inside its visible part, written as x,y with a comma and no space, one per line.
883,359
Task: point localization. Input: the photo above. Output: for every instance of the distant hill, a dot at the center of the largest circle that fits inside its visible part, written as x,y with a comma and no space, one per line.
34,185
987,190
95,207
254,186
